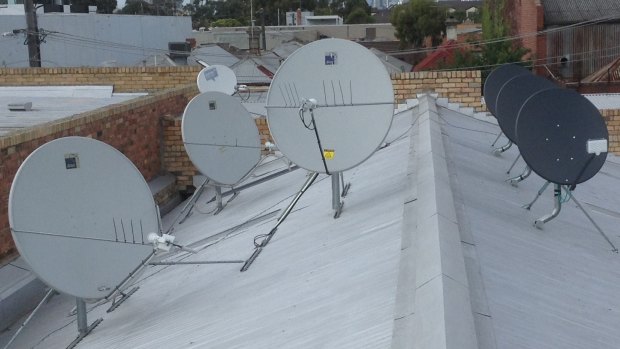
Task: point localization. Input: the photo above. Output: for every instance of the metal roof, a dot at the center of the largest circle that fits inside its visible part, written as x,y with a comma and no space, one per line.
51,103
286,49
212,54
420,258
252,71
392,64
561,12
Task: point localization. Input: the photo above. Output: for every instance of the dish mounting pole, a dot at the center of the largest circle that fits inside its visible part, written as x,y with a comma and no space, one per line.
557,207
502,149
513,163
82,322
336,195
514,181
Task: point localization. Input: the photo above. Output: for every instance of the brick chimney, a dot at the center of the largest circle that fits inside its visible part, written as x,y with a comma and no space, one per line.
451,23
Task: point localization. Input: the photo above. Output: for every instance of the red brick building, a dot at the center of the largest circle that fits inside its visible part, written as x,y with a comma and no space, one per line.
576,42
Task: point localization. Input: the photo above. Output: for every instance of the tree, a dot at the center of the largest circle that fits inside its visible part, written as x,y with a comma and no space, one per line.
494,26
137,8
358,16
226,22
105,6
417,20
343,8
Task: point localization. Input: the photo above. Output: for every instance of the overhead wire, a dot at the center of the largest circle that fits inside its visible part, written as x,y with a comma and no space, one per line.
79,39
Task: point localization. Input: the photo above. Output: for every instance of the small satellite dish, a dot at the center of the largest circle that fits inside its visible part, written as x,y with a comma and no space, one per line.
496,79
218,78
80,213
221,137
330,105
511,97
562,136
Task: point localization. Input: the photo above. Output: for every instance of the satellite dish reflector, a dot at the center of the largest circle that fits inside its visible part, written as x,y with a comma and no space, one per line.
80,213
218,78
511,97
221,137
560,134
496,79
333,92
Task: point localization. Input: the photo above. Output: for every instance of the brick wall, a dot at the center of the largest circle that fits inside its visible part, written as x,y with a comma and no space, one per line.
124,79
527,18
612,119
133,127
176,161
464,87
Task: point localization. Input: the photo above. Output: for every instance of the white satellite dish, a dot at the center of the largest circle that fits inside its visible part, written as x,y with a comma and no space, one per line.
221,137
218,78
330,105
80,213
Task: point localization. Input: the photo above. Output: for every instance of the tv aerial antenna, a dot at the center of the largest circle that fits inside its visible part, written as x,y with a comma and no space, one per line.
222,141
562,138
326,116
492,86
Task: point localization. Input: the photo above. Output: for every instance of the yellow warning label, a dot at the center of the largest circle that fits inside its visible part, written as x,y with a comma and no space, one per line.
328,154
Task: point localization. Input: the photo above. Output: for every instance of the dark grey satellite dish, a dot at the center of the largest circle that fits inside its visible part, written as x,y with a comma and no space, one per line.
496,80
559,132
511,98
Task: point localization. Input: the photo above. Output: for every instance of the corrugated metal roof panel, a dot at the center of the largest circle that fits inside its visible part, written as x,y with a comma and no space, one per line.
213,54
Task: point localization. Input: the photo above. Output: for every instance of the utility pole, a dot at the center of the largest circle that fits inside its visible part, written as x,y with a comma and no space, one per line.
32,34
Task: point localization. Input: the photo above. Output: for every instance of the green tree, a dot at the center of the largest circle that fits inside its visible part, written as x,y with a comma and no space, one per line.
343,8
226,22
137,8
494,27
359,16
417,20
105,6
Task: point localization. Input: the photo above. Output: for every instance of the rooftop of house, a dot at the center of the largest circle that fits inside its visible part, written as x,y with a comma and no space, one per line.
562,12
432,248
51,103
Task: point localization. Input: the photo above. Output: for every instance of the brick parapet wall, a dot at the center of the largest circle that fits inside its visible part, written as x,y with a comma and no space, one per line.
133,127
124,79
464,87
612,119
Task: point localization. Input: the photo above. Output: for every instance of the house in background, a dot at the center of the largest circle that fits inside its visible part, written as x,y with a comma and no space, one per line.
571,53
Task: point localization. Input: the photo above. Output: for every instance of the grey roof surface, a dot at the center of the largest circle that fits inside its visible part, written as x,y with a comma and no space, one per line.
286,49
551,288
212,54
558,12
392,64
51,103
432,250
604,100
247,72
320,283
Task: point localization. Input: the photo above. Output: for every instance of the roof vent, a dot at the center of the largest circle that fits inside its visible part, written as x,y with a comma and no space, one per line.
20,106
